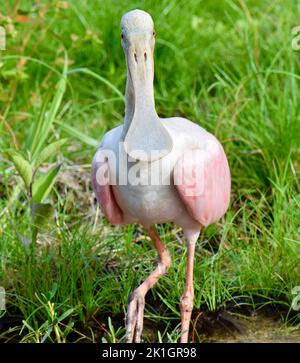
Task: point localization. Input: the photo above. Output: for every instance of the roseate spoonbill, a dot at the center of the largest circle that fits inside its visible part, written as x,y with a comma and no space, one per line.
193,185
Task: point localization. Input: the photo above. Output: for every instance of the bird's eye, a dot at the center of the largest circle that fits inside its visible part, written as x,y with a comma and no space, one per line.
122,35
154,34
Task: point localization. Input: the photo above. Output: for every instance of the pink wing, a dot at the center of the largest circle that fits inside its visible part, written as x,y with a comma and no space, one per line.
202,178
104,193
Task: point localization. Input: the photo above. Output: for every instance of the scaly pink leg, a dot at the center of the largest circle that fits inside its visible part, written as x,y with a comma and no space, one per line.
187,299
136,301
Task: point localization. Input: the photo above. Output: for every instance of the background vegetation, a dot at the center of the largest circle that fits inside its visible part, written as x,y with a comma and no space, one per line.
227,65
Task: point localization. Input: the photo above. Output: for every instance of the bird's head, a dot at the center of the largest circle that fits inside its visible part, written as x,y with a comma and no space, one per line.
138,38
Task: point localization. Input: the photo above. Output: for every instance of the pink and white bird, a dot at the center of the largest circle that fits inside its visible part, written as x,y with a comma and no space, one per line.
152,170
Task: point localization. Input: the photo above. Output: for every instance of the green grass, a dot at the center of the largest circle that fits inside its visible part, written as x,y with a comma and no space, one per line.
227,65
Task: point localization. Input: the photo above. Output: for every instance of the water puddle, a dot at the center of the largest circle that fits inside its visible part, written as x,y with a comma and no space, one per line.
258,327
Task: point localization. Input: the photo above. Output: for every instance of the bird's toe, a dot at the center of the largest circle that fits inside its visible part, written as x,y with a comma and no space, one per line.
134,317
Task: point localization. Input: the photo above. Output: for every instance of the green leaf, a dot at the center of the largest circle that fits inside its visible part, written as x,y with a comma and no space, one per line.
110,326
47,334
49,117
34,139
65,314
22,165
101,79
50,150
42,214
78,135
42,186
53,291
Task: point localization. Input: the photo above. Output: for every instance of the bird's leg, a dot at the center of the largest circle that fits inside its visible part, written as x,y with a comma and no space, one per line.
136,301
187,299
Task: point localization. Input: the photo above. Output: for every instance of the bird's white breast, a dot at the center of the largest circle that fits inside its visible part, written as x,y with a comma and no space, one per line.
155,201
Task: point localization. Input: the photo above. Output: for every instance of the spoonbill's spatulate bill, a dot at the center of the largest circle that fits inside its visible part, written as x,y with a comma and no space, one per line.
152,170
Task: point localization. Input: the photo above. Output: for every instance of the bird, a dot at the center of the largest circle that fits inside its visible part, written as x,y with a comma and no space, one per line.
151,170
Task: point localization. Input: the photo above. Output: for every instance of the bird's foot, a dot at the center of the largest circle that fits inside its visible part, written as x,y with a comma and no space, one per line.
135,317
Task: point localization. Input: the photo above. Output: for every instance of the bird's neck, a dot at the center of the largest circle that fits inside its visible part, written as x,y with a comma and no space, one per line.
144,135
140,104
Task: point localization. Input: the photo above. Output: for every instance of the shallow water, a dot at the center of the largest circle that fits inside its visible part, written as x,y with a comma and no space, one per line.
256,328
